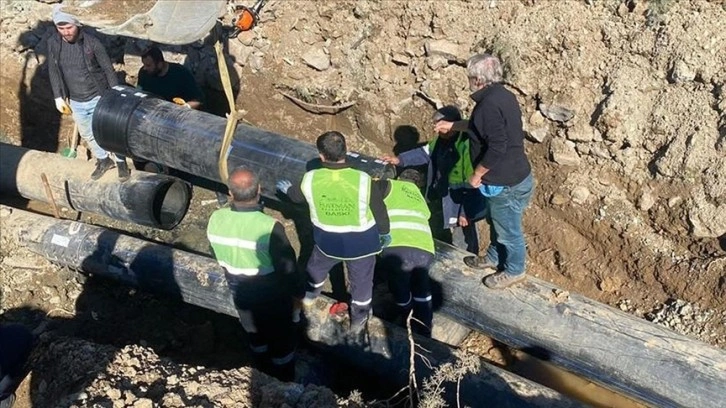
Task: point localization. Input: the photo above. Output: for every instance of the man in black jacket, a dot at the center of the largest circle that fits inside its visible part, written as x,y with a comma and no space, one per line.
80,71
502,172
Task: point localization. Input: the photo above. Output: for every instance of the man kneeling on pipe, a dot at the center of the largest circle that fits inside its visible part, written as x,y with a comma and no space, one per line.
407,259
261,272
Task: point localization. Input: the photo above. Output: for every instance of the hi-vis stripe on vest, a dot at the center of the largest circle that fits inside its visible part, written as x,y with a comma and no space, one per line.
241,241
409,217
338,199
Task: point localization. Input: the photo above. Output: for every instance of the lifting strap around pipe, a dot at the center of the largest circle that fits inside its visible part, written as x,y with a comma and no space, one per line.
232,117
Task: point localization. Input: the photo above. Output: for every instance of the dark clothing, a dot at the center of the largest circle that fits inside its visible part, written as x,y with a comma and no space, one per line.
273,336
178,82
360,276
407,270
286,281
497,138
16,342
77,78
94,67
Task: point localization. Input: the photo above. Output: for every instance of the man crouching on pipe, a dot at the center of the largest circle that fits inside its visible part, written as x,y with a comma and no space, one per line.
260,267
407,259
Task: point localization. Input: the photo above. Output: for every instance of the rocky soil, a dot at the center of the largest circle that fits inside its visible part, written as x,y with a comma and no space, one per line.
623,102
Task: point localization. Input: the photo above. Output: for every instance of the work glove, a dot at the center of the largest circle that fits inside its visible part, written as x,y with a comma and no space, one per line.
385,240
62,106
181,102
283,186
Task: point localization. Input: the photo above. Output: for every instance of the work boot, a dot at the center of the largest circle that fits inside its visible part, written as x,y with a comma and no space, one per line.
123,171
479,262
102,166
502,280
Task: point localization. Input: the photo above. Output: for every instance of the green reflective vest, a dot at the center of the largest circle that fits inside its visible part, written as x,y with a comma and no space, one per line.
409,215
463,168
241,241
338,199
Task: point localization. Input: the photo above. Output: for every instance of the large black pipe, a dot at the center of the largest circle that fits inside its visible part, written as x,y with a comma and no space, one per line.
133,123
200,281
154,200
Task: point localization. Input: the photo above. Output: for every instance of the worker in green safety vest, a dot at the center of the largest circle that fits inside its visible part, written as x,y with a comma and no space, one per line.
407,259
448,190
350,224
261,272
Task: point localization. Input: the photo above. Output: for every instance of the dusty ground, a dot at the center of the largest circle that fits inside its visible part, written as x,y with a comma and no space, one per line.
630,207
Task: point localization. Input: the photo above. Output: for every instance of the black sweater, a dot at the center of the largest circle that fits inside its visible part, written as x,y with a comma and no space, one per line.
497,138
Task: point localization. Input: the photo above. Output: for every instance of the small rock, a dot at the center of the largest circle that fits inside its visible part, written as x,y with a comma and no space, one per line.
558,199
556,113
563,152
581,132
645,201
580,195
536,135
681,72
400,58
436,62
256,61
113,394
444,48
317,58
246,37
144,403
674,201
536,119
172,380
5,212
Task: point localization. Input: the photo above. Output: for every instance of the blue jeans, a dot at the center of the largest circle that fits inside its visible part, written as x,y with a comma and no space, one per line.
507,248
83,116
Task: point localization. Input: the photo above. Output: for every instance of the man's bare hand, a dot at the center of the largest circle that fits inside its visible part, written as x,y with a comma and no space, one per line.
475,180
463,221
443,126
391,159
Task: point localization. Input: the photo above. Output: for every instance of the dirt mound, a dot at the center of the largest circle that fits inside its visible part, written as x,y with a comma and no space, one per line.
77,373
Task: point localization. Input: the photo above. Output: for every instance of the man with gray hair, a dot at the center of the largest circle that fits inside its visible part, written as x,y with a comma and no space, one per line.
80,71
502,172
260,267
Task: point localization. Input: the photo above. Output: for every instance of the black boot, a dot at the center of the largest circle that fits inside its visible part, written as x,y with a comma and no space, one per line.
102,166
123,170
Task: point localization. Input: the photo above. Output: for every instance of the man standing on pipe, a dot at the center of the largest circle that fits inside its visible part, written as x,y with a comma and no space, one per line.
350,225
261,272
406,261
80,71
502,174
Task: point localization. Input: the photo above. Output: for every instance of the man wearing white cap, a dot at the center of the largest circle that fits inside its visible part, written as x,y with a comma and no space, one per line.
80,71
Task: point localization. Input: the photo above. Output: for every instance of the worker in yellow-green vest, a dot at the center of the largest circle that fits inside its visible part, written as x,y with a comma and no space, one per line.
407,259
261,272
350,224
447,188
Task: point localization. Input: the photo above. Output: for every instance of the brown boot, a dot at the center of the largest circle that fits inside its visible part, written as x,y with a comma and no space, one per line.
502,280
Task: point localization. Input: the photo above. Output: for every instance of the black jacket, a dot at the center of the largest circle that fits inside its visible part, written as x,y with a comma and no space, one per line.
97,62
497,137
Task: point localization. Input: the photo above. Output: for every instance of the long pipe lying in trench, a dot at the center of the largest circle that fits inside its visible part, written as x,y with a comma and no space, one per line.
130,122
154,200
200,281
611,348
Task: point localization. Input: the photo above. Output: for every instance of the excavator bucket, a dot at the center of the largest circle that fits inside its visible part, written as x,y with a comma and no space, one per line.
161,21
